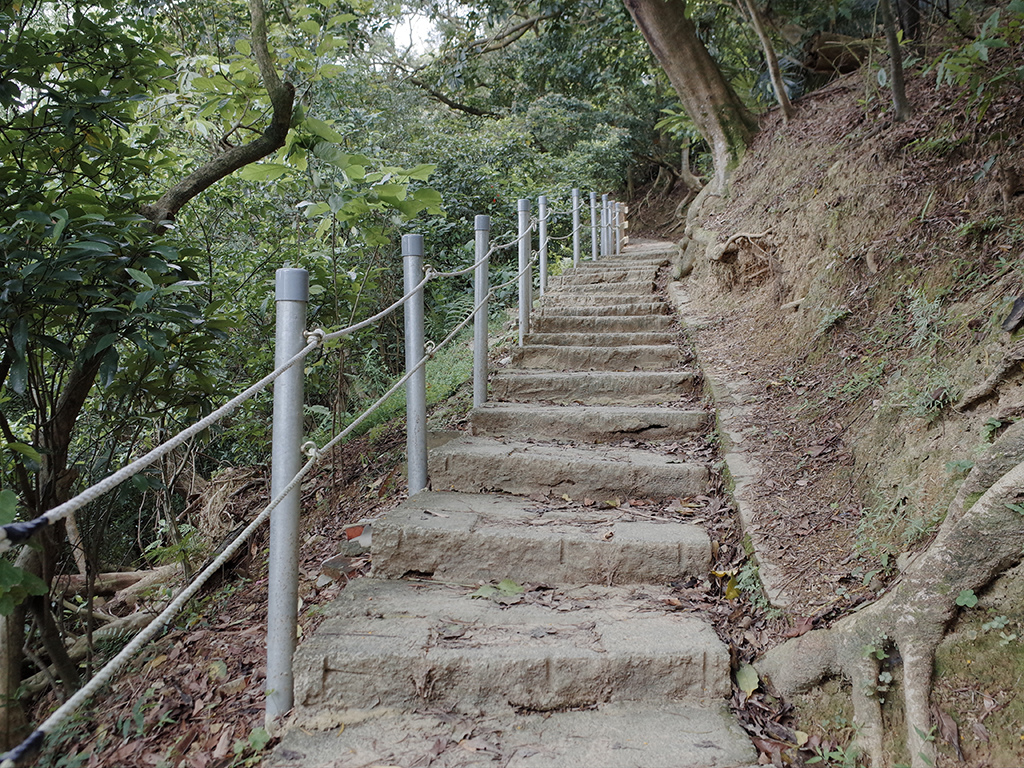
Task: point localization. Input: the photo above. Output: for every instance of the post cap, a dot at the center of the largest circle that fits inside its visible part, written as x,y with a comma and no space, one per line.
412,245
292,284
482,223
524,204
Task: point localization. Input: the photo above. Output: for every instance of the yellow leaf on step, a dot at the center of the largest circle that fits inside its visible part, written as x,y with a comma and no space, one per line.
731,590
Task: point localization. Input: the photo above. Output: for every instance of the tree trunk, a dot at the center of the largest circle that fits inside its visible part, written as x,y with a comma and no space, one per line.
976,543
899,90
910,20
707,97
773,61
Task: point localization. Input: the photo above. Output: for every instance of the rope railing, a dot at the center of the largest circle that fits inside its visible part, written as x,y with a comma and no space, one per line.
294,344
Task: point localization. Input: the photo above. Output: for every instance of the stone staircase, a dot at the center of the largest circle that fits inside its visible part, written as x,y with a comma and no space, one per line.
408,669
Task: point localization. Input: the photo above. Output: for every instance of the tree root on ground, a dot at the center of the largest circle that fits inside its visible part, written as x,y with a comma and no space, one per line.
982,536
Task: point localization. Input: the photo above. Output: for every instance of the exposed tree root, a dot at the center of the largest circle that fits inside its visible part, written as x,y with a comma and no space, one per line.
988,387
982,536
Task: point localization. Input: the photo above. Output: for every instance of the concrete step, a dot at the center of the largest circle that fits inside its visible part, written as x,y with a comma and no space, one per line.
634,287
656,256
562,299
480,464
627,735
639,308
595,387
608,275
601,338
466,537
592,423
411,645
621,358
551,322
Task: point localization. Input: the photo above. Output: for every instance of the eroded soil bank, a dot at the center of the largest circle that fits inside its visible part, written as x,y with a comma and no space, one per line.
856,313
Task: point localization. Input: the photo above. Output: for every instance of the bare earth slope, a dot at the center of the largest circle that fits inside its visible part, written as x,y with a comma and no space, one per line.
848,298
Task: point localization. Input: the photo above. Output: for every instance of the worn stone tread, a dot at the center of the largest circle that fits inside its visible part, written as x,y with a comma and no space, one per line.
601,338
595,387
558,300
486,537
476,464
592,423
592,358
628,735
552,322
413,644
639,308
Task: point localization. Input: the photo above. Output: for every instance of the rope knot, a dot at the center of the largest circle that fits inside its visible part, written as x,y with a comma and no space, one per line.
310,449
315,335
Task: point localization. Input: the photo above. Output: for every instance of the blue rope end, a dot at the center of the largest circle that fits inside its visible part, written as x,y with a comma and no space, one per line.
18,532
27,749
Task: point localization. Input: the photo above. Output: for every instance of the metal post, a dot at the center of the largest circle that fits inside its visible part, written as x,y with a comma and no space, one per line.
625,225
416,386
525,274
605,234
292,294
480,288
618,229
575,227
593,226
542,236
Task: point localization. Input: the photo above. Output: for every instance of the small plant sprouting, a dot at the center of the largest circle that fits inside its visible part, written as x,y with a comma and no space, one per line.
989,429
967,598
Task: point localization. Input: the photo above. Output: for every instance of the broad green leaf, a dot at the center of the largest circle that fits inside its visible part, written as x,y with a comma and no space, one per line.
391,191
323,130
263,171
27,451
9,575
140,276
747,679
431,198
8,506
422,172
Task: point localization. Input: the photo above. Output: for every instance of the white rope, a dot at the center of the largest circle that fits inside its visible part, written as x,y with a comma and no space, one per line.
314,338
334,335
93,492
168,613
493,249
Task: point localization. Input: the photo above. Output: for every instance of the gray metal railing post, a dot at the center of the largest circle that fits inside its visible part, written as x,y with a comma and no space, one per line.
416,386
618,229
525,274
594,248
542,237
480,288
291,295
575,227
605,233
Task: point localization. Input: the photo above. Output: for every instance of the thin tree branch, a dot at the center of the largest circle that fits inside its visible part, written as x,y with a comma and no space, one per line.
282,97
471,110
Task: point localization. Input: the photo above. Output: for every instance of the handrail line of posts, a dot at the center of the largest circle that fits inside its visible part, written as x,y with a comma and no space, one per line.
292,297
525,279
575,226
294,344
542,239
482,230
416,388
